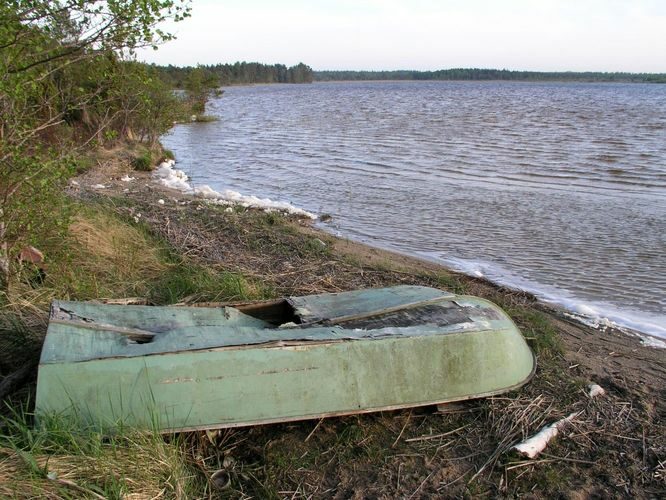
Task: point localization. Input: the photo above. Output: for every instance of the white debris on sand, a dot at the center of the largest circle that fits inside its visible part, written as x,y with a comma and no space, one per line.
98,186
650,341
590,317
171,177
177,179
595,390
160,201
534,445
73,183
127,178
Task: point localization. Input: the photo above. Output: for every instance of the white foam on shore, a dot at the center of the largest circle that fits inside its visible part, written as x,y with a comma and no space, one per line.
650,327
173,178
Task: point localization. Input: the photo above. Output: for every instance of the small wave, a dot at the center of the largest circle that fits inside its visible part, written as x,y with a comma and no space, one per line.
607,158
598,315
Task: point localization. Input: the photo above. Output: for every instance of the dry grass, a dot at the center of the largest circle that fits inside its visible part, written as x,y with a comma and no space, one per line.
139,467
103,256
119,257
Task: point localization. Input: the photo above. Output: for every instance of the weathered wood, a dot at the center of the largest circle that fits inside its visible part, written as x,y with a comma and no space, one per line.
131,333
346,306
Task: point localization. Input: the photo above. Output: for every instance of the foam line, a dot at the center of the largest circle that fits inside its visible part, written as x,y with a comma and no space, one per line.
176,179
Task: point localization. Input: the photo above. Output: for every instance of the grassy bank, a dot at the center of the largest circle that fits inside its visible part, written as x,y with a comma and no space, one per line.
124,244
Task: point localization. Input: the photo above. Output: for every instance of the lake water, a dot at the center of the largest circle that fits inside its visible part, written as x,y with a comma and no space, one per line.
558,189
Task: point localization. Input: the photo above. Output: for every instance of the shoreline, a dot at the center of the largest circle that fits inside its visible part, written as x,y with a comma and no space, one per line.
613,448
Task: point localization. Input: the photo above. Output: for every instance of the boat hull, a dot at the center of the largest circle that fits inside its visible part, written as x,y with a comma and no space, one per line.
243,385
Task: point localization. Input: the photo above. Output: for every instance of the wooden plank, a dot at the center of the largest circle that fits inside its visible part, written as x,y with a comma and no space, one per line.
361,303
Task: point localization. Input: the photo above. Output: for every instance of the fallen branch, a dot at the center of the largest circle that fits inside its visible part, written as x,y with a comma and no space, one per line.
435,436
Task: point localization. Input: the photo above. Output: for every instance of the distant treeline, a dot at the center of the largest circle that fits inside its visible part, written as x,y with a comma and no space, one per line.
490,74
238,73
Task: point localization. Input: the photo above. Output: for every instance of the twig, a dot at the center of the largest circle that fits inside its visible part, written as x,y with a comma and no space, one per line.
313,430
80,489
456,480
403,429
435,436
575,460
531,462
421,485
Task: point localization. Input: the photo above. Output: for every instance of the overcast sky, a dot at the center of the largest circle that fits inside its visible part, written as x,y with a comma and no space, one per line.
546,35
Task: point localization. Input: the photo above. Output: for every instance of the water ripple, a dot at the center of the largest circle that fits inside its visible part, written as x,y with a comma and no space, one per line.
556,188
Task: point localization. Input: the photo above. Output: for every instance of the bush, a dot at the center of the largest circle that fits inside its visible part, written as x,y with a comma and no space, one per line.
144,162
83,163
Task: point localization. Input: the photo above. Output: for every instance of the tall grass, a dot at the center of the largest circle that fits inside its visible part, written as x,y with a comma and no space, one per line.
59,459
106,256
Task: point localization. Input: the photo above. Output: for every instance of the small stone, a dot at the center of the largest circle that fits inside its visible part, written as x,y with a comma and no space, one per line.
160,201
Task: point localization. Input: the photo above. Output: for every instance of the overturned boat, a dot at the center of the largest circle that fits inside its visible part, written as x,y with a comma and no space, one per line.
187,368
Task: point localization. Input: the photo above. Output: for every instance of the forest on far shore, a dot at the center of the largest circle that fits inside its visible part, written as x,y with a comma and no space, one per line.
238,73
491,74
243,73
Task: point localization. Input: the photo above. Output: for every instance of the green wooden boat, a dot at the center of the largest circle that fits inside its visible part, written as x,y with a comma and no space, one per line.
185,368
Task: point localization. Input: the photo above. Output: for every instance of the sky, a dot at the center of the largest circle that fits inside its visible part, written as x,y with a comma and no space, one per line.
536,35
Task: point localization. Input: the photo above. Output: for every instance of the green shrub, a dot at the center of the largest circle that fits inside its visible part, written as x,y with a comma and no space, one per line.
144,162
194,283
83,163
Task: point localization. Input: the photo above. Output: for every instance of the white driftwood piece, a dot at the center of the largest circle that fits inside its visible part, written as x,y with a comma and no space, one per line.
534,445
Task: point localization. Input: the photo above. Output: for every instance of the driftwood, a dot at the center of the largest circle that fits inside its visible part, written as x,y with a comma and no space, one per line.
534,445
15,380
